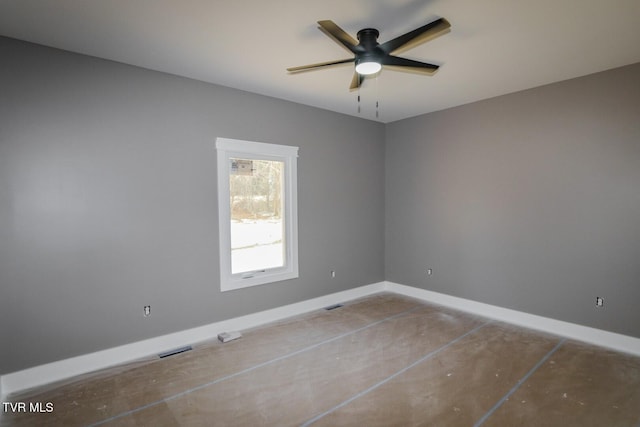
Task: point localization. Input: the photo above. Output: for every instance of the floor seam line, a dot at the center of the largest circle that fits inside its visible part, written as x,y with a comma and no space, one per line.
519,383
396,374
252,368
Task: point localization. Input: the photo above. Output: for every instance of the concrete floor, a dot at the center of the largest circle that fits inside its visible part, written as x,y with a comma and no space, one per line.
385,360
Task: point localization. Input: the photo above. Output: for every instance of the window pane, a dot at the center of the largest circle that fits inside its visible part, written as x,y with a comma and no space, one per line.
257,214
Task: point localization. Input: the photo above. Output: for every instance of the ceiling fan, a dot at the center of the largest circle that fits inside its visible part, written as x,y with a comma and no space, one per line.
370,56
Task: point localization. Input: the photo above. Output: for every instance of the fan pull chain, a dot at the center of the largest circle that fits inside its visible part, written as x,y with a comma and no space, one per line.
377,98
358,99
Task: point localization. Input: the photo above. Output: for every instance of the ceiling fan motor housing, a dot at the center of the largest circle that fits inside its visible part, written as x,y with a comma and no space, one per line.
369,47
368,38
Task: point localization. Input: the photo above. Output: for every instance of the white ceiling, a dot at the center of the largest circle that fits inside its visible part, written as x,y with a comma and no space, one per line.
494,47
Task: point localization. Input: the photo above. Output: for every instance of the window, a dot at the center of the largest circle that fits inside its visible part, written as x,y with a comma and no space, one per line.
257,202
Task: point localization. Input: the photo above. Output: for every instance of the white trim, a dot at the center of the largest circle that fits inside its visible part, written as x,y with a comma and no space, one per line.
64,369
598,337
251,147
68,368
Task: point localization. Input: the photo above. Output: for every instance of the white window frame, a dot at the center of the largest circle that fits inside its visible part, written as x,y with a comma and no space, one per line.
232,148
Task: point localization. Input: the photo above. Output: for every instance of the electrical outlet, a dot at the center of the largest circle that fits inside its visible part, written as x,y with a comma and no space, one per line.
333,274
147,310
429,271
599,301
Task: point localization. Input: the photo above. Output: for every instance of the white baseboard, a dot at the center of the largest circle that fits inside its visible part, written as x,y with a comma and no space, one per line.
68,368
618,342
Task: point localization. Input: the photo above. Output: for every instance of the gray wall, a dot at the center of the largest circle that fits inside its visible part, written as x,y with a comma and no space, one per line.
108,202
529,201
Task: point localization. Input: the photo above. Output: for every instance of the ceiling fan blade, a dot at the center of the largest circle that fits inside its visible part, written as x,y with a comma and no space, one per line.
419,35
319,65
340,35
403,64
356,81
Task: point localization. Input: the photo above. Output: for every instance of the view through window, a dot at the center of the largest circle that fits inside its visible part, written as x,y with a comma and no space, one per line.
257,215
